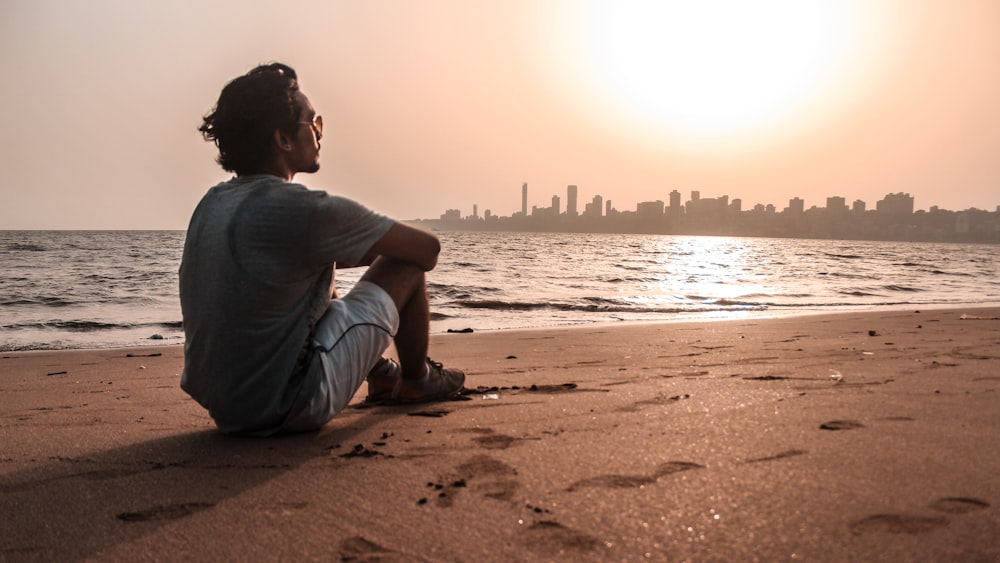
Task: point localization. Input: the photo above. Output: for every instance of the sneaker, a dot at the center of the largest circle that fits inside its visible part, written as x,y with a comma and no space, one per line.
439,383
382,380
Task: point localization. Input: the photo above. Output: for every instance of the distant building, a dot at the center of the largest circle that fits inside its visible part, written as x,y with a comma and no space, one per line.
571,200
524,199
858,206
895,204
675,210
963,222
594,208
796,205
707,206
649,209
836,204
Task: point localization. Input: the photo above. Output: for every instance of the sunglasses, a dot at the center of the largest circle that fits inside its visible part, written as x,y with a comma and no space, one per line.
316,124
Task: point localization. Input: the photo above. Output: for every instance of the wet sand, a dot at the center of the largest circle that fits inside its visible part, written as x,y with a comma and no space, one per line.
855,436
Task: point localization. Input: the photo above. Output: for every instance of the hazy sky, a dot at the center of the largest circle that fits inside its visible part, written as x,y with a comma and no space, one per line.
430,105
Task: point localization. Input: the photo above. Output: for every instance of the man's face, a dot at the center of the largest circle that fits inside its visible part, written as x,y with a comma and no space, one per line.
305,144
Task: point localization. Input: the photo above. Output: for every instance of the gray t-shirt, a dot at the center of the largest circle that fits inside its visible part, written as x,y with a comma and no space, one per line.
254,279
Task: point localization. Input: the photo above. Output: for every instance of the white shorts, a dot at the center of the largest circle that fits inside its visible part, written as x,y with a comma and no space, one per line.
349,338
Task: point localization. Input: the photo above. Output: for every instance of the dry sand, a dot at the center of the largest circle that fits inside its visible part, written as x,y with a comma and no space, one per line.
856,436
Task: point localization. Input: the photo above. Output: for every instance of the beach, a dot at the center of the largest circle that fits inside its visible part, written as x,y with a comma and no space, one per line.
853,436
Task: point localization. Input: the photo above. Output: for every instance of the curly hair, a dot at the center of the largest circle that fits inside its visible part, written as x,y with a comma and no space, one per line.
250,108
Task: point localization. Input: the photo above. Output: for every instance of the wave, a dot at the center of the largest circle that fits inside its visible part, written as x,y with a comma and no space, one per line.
857,293
45,301
26,247
461,291
82,300
598,305
878,291
90,326
847,275
893,287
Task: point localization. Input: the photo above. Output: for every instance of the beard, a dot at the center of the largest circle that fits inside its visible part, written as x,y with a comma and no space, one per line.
312,166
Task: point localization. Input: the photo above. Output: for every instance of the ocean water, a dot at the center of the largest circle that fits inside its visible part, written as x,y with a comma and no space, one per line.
87,289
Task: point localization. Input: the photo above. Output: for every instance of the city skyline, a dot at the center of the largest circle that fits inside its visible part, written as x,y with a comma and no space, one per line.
605,205
893,217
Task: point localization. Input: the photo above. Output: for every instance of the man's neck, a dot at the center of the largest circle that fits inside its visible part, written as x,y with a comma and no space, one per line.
265,172
274,168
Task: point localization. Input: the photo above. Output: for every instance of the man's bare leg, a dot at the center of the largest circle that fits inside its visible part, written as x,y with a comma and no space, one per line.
407,286
420,380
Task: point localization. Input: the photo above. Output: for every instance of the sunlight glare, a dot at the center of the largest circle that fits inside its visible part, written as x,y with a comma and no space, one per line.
717,66
714,72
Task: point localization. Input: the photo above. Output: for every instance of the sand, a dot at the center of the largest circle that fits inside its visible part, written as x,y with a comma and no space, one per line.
854,436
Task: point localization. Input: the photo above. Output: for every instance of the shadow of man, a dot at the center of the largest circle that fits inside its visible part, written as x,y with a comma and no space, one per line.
75,507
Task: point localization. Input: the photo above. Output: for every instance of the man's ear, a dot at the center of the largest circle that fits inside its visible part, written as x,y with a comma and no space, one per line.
282,141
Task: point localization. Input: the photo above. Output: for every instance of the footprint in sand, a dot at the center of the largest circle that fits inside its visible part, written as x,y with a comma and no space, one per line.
490,477
897,524
360,549
841,425
959,505
916,524
550,538
633,481
658,400
168,512
495,441
481,474
551,389
613,482
782,455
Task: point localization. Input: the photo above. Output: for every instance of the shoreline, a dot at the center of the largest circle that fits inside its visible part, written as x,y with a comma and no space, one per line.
835,436
455,325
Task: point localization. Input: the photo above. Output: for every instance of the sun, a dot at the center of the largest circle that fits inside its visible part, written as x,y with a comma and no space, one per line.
714,67
709,71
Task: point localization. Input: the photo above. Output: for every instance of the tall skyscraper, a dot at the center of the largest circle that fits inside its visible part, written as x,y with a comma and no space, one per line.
524,199
674,211
571,200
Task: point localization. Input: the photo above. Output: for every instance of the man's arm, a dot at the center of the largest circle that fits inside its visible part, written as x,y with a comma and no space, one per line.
409,244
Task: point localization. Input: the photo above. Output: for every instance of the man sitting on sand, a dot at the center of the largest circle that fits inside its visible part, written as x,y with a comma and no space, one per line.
270,346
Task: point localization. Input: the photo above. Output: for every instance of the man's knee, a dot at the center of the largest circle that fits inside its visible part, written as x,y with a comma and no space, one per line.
400,279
